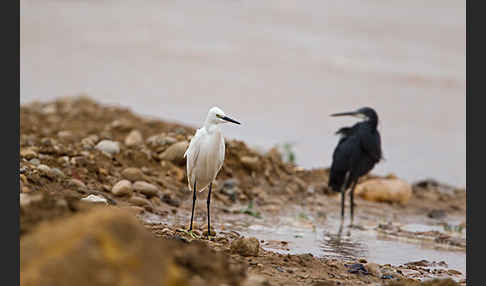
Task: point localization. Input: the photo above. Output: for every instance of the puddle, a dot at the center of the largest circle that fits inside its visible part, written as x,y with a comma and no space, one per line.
325,241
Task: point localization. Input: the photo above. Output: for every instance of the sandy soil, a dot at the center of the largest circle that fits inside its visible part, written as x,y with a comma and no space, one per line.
60,165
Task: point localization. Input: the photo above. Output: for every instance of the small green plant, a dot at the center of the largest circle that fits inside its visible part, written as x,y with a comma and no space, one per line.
453,228
249,211
289,154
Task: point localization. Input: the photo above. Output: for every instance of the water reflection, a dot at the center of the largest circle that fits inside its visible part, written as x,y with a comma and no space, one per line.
341,245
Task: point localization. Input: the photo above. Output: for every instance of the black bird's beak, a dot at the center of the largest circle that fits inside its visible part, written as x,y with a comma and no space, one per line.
354,113
229,119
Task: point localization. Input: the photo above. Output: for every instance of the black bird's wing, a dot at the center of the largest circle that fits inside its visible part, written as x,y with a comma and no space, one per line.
342,158
371,144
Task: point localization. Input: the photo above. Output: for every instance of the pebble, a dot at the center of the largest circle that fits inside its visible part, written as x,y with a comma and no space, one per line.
28,154
132,174
166,198
64,160
252,163
160,140
122,188
145,188
454,272
134,138
23,178
43,168
64,134
437,214
245,246
76,184
108,147
373,269
26,199
95,199
138,201
90,141
57,173
175,153
357,268
35,161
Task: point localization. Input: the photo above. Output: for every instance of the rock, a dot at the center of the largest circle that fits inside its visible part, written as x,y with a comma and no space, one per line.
160,140
121,124
132,174
65,134
139,201
145,188
454,272
57,173
79,185
95,199
35,161
356,268
64,161
373,269
108,147
26,199
252,163
90,141
385,190
166,198
175,153
122,188
437,214
44,169
28,154
134,138
245,246
105,246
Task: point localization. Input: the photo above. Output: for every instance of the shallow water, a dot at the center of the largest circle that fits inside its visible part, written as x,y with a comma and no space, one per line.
326,242
279,67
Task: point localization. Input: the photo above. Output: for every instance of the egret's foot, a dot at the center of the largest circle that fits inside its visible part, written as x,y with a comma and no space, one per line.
208,234
189,232
210,237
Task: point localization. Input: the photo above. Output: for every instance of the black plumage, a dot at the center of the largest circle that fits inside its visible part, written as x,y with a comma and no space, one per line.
357,152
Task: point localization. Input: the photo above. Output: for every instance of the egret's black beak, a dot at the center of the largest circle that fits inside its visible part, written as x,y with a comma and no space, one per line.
229,119
354,113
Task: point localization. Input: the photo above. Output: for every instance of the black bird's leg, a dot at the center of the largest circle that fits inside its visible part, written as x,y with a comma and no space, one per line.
193,203
351,196
209,201
343,197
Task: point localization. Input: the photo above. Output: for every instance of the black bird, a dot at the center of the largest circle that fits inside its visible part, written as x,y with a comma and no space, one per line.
357,152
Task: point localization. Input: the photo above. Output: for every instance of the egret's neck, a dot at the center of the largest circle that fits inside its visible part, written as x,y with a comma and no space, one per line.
211,127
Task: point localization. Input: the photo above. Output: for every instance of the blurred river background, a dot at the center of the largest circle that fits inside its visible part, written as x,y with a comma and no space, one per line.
280,67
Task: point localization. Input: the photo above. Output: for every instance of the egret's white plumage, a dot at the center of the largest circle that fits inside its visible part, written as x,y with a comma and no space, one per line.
205,154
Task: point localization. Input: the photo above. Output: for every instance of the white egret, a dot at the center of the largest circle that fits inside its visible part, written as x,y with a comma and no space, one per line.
205,156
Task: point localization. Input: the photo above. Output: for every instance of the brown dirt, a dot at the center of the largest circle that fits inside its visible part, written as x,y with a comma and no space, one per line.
56,132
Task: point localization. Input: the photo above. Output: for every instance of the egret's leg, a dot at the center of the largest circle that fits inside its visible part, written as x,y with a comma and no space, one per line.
209,201
351,196
193,204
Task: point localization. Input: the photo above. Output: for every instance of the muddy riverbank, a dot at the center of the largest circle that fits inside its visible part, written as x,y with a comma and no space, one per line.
79,160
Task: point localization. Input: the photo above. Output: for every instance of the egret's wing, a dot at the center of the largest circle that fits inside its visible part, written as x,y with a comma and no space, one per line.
192,153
